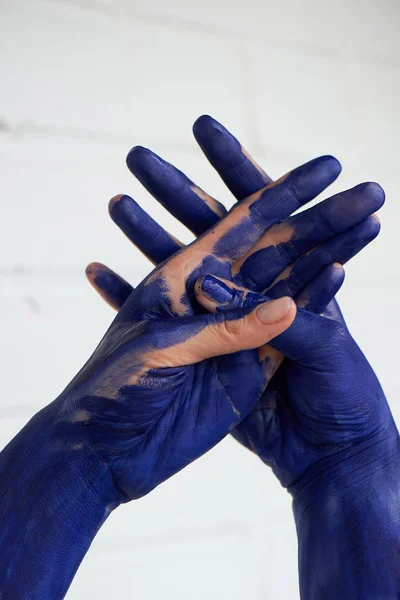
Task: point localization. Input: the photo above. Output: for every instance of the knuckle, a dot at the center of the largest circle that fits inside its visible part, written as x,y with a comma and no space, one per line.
323,210
231,326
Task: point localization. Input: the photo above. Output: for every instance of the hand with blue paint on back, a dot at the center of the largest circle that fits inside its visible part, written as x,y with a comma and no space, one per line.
164,385
325,428
323,423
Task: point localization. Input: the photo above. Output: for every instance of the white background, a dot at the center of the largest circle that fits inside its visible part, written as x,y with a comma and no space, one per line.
81,82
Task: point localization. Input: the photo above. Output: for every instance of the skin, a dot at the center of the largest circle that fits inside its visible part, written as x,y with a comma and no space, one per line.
167,382
323,423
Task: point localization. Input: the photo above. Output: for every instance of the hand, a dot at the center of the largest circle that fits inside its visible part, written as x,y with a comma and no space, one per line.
343,467
325,428
259,270
200,397
325,399
160,390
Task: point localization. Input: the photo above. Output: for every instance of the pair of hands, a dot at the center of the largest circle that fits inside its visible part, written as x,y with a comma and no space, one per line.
177,379
196,352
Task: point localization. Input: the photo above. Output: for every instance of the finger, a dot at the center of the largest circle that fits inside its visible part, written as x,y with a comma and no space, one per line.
176,192
339,249
301,342
320,292
247,222
234,235
209,335
286,241
110,286
220,295
216,294
151,239
332,311
236,167
261,430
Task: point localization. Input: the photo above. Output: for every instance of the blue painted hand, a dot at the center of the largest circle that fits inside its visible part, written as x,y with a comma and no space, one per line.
322,423
293,258
324,400
162,348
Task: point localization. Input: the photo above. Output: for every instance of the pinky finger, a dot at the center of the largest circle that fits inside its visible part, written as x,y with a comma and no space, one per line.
110,286
316,296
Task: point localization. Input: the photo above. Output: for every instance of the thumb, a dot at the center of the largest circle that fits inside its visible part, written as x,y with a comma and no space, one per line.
193,339
243,319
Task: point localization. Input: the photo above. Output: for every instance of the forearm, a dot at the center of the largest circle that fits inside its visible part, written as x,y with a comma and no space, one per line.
348,524
54,495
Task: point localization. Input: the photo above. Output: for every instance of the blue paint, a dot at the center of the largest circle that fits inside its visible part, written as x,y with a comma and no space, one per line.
341,461
347,506
317,295
113,288
276,203
334,560
298,187
216,289
108,440
173,190
226,155
142,230
311,228
230,299
339,249
53,499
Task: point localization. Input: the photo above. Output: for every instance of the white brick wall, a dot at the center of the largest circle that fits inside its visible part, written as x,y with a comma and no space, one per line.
82,82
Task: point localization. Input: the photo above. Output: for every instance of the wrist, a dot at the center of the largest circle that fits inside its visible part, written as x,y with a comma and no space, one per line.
347,512
349,469
55,493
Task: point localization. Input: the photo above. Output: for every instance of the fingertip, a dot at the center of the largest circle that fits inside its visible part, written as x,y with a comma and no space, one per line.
97,274
137,150
326,164
375,225
334,164
222,149
90,271
334,274
376,219
338,273
372,227
376,192
210,291
93,267
204,125
275,311
138,157
113,202
313,177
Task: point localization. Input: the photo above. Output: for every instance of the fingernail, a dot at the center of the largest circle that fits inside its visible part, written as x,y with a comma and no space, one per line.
273,311
216,289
